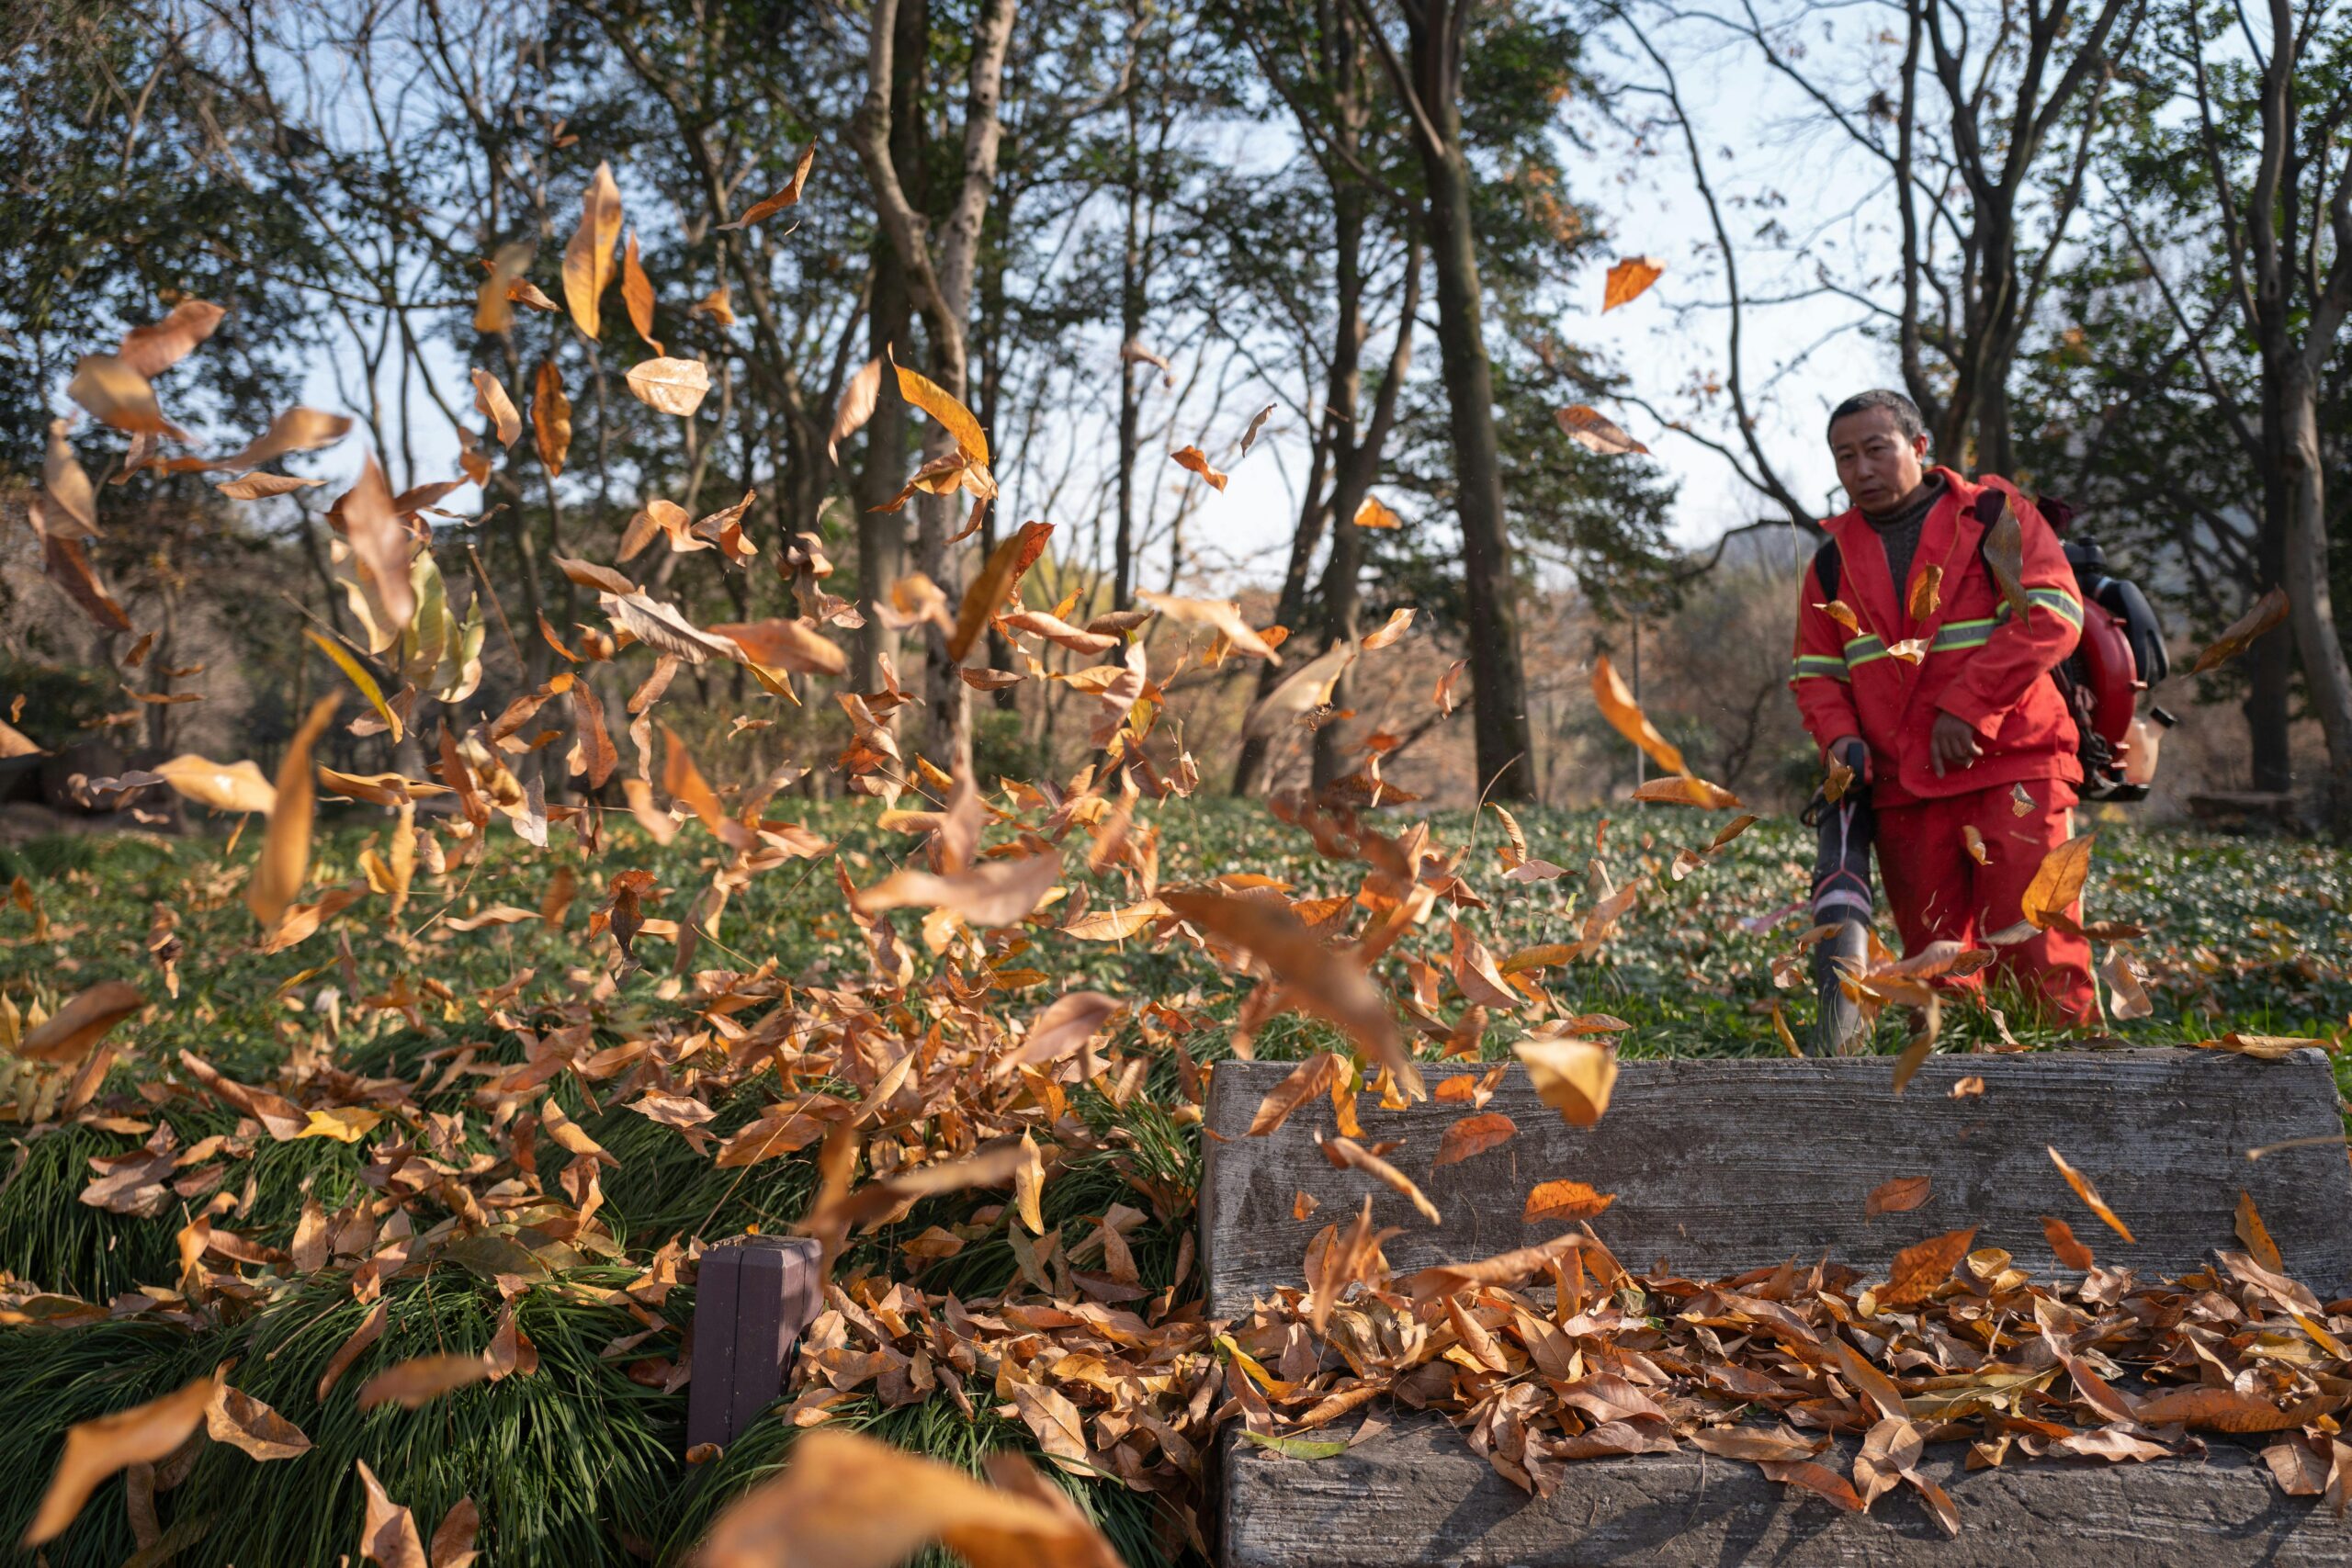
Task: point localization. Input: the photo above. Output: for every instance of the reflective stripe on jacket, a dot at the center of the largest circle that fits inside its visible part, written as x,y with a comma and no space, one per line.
1887,678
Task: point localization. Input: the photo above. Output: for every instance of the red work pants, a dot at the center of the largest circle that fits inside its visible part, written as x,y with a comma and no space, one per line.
1939,893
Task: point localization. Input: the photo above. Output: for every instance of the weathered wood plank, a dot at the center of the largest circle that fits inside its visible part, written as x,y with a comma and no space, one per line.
1721,1165
1419,1494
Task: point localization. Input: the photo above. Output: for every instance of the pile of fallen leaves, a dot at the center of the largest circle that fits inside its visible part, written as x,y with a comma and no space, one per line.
1555,1353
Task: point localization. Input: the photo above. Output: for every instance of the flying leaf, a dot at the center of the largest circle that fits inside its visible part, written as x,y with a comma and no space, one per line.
1474,1136
1564,1201
381,546
67,483
2243,633
2059,880
778,644
949,410
588,259
846,1501
1628,280
2089,1195
994,582
1301,692
224,786
359,677
674,386
637,293
1573,1077
789,195
2064,1245
1618,706
286,849
152,350
1346,1153
491,401
1899,1196
2256,1235
2004,554
259,487
117,395
1398,620
1444,696
493,302
1375,513
68,566
1596,432
1222,616
1301,1083
68,1034
95,1450
1927,592
550,418
859,399
1688,792
1193,458
296,430
418,1381
1257,424
992,894
1315,979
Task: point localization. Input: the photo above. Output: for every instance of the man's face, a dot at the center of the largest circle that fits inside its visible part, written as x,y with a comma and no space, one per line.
1876,462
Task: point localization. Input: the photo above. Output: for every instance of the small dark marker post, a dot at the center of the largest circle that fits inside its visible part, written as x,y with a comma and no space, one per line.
753,1296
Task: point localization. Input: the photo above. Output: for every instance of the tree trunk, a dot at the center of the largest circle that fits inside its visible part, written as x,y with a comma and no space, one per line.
1290,606
2270,663
2327,682
1499,698
1342,589
1123,562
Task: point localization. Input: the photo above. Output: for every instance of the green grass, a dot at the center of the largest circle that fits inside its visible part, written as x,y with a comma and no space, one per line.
581,1465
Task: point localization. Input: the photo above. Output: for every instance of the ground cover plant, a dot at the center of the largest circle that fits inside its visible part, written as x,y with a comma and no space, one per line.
584,1454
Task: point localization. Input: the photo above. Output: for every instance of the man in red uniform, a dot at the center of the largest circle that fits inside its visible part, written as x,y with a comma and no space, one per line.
1918,673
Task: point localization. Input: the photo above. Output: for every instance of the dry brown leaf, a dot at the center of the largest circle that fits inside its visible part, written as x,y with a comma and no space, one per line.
862,1504
2268,611
2058,882
1625,716
1346,1153
789,195
260,487
492,403
1927,592
1222,616
1628,280
1899,1196
1688,792
792,645
237,1418
416,1382
550,418
1474,1136
674,386
95,1450
1193,458
994,582
285,858
1564,1201
68,1034
1596,432
1394,629
1376,513
2064,1245
2256,1235
388,1534
992,894
588,258
859,399
493,302
1574,1078
152,350
2089,1195
637,293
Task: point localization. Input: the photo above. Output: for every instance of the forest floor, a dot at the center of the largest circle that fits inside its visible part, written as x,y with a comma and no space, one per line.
581,1463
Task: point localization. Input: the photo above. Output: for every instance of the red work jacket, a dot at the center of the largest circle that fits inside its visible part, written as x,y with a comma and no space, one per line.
1888,678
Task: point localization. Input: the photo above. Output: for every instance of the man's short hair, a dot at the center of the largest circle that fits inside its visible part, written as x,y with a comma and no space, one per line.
1904,412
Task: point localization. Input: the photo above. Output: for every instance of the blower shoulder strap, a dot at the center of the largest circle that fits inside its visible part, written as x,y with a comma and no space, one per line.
1827,565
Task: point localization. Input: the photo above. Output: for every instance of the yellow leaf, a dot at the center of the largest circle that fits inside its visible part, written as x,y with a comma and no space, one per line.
344,1124
1617,705
588,259
286,849
359,677
637,293
1573,1077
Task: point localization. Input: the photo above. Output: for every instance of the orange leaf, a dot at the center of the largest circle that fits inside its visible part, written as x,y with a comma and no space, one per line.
1564,1200
1193,458
1920,1268
1899,1196
1628,280
1617,705
2089,1195
1474,1135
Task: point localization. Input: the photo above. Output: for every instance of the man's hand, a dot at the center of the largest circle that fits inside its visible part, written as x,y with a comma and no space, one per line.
1952,743
1851,750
